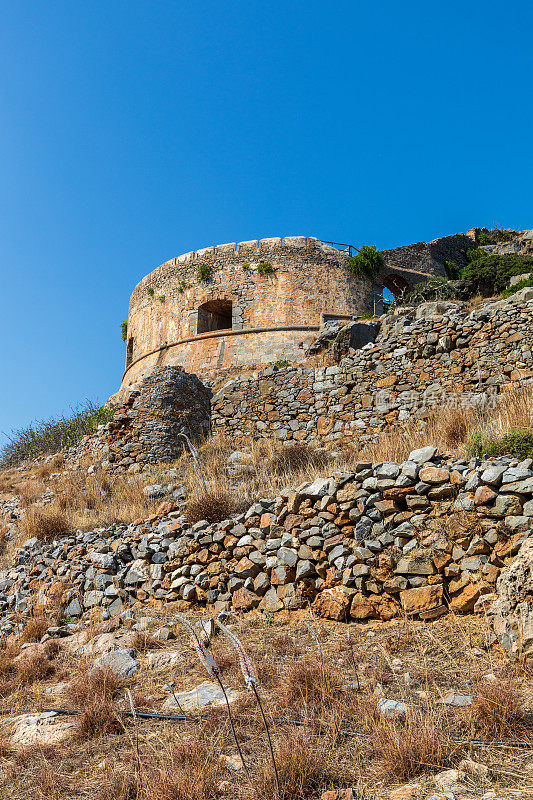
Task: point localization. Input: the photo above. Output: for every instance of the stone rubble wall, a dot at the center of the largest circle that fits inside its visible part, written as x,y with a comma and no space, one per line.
148,427
438,353
428,257
416,537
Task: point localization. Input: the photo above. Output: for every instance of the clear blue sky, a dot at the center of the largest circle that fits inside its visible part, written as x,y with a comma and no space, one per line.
133,131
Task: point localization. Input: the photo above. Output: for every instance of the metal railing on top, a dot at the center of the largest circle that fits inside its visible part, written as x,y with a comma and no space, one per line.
351,249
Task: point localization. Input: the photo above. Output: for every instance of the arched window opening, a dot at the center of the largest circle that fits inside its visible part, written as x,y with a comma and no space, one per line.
394,288
215,315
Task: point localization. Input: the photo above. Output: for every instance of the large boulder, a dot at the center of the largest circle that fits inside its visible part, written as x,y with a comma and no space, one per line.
512,612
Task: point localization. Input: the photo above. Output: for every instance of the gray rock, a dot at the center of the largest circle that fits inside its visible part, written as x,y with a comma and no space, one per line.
423,454
120,662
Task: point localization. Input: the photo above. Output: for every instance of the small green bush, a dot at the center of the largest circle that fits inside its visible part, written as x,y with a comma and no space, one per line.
162,298
502,235
246,266
124,329
452,270
484,237
517,441
492,272
182,286
282,363
516,288
475,252
204,272
367,263
265,268
150,290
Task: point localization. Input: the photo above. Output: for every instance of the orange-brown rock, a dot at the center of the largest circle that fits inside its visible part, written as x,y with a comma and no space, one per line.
331,604
421,599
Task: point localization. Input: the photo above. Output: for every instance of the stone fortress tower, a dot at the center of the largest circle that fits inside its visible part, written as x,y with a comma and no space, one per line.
238,305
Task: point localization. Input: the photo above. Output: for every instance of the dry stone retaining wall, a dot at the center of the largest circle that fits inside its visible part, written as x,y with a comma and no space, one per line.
418,536
438,353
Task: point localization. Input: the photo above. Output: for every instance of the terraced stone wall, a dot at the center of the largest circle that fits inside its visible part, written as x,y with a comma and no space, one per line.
440,353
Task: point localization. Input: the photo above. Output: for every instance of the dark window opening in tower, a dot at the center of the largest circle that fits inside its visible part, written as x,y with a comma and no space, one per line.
129,351
215,315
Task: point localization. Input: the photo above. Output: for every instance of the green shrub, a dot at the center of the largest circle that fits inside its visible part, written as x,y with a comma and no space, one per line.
452,270
50,436
475,252
367,263
282,363
162,298
484,237
124,329
502,235
150,290
520,285
182,286
204,272
265,268
518,442
492,272
246,266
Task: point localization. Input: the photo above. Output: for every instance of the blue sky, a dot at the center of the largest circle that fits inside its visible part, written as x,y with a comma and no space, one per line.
131,132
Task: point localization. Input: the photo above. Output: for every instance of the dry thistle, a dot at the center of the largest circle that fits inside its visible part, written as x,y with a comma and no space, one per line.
214,670
250,679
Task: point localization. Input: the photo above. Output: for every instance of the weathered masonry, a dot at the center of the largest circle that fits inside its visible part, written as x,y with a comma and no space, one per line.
235,305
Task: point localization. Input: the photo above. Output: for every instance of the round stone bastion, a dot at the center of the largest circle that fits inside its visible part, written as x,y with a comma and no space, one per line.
239,305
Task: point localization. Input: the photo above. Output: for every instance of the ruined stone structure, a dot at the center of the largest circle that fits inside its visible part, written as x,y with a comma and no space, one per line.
236,305
410,264
258,302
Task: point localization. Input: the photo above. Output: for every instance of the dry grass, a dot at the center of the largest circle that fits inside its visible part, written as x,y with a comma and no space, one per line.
212,506
35,629
45,524
143,641
94,695
305,767
409,749
498,709
307,682
17,671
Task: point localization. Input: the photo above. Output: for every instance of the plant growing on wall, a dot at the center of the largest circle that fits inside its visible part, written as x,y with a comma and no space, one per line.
265,268
204,272
162,298
246,266
367,263
182,286
150,290
124,329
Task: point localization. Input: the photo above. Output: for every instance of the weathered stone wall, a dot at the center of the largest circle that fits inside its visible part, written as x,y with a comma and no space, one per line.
422,535
440,353
148,426
427,257
308,278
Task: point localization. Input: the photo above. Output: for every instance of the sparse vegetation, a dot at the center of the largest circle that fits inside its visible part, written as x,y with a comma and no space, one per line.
124,329
204,272
150,291
50,436
524,284
44,523
265,268
517,442
162,298
367,263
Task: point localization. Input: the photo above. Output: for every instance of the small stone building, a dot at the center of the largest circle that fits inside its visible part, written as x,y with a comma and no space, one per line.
238,305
